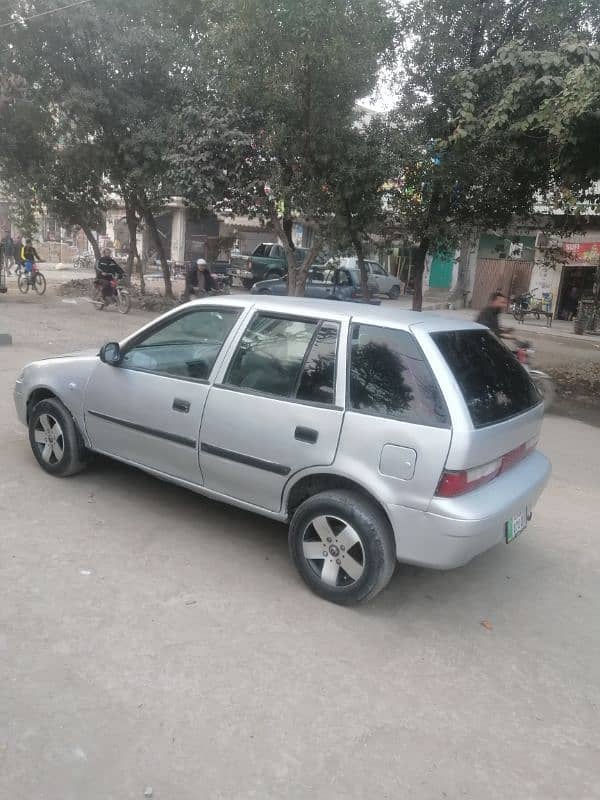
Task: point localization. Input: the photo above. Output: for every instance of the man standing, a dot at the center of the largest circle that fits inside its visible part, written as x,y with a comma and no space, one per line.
8,252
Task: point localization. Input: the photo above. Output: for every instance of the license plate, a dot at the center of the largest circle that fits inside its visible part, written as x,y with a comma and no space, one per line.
516,525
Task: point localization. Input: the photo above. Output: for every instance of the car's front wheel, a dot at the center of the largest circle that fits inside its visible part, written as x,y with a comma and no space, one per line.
343,546
55,440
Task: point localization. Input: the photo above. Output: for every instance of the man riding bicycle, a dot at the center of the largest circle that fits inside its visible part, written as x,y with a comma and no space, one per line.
28,256
107,270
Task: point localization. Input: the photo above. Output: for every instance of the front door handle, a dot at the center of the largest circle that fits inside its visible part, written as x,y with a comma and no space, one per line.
309,435
181,405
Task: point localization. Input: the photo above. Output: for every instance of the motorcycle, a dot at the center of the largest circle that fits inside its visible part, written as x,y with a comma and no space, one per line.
543,382
119,296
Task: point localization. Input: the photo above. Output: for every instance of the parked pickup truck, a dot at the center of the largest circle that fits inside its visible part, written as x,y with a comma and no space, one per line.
266,262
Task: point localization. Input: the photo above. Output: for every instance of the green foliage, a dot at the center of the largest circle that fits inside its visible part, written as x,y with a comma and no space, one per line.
548,100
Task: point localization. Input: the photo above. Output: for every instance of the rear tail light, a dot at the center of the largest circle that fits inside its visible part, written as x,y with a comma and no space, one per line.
249,264
456,482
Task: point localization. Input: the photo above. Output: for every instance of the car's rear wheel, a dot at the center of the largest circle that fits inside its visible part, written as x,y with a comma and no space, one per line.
247,283
394,293
342,546
55,441
273,274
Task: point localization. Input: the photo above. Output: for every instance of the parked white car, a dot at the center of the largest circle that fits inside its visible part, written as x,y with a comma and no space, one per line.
380,281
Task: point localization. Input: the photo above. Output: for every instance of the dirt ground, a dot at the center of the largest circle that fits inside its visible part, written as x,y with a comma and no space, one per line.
154,643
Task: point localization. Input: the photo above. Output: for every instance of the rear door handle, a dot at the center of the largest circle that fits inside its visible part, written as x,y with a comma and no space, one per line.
181,405
309,435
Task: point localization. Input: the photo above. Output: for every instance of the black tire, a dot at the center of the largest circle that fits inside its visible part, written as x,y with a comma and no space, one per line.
247,283
374,552
74,454
272,275
23,283
123,302
394,293
545,387
39,283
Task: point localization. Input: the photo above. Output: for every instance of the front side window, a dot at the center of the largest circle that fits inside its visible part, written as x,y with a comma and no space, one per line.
285,357
389,377
184,347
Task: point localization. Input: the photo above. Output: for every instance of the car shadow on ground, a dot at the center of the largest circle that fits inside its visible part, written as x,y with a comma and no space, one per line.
422,593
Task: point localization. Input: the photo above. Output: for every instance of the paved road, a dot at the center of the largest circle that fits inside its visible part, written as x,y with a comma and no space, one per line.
151,638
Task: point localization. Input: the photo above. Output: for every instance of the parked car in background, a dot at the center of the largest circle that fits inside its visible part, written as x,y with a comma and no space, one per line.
327,283
376,434
380,281
266,262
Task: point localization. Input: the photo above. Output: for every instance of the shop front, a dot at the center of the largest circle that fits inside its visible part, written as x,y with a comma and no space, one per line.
578,277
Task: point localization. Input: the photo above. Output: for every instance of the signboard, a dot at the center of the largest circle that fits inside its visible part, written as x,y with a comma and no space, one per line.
585,253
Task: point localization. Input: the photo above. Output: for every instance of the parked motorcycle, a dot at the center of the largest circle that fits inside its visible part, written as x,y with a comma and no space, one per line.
543,382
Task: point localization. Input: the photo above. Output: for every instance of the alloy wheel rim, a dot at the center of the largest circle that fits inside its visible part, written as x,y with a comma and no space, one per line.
49,439
333,550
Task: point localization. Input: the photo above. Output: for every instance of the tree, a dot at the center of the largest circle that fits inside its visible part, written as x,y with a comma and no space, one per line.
357,187
450,188
291,75
110,84
547,99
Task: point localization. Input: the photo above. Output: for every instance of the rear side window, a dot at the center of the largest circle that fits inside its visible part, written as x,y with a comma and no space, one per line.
317,382
493,383
389,377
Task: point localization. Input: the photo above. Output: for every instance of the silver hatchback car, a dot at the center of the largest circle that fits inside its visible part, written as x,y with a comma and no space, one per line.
377,435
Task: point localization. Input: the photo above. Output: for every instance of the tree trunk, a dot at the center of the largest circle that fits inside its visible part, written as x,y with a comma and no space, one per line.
132,225
161,251
360,257
295,287
418,270
92,240
304,267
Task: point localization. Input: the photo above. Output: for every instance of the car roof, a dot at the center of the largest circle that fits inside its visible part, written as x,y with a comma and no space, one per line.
383,315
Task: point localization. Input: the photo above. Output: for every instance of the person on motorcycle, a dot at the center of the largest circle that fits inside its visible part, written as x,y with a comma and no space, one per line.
198,282
107,270
490,315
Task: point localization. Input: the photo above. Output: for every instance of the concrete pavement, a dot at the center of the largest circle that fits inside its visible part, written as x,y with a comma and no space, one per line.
151,638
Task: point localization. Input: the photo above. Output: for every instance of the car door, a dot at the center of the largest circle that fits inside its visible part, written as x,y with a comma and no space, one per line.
379,278
147,409
275,410
320,284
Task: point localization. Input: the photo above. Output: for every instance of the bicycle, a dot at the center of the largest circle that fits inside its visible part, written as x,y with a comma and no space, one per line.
83,261
33,279
120,296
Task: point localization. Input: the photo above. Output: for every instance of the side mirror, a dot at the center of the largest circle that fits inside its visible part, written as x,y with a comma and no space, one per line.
110,353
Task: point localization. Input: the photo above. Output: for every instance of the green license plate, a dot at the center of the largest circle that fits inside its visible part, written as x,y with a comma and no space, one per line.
516,525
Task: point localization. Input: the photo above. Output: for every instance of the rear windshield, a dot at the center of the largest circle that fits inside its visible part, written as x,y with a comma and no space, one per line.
495,386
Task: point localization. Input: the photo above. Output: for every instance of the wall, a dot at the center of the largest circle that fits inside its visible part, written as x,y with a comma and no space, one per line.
493,246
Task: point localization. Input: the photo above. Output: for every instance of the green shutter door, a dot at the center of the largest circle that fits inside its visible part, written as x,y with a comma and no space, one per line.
440,276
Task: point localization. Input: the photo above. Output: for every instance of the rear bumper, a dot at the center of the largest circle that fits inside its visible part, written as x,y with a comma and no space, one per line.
244,274
455,530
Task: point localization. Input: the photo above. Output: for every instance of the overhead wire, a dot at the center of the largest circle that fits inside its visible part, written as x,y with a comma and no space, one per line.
20,20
